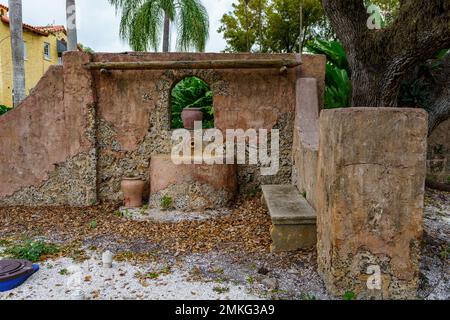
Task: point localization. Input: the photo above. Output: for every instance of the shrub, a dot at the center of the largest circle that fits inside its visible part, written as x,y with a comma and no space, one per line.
31,250
4,109
338,91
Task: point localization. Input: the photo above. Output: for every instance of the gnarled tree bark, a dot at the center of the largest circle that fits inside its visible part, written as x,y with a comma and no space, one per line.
380,59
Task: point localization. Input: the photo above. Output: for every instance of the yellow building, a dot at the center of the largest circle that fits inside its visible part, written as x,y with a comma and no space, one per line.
43,47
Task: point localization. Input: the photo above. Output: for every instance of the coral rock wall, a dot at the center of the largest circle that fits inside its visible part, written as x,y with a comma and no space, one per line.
75,137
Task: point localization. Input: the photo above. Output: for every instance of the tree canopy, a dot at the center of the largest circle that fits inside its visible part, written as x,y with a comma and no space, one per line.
272,25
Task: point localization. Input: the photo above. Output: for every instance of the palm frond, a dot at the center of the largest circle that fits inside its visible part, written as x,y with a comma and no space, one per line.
192,25
142,20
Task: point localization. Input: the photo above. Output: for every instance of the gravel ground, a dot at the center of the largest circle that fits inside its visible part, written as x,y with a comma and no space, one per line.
124,281
160,267
195,277
435,263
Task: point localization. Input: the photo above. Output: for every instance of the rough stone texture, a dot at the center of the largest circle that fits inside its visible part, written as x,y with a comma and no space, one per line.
69,184
305,148
293,219
191,187
439,154
287,237
48,142
134,113
370,199
111,124
314,67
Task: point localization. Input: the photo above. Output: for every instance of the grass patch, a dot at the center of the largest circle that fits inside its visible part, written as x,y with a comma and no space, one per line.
166,202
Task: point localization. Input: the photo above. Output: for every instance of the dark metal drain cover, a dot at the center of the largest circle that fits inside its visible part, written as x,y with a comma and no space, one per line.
13,269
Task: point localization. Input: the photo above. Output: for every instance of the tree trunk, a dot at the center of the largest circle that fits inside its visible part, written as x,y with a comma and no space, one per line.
71,18
17,50
381,59
166,35
438,105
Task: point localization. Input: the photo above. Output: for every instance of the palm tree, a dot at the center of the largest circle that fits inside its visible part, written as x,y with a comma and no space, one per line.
142,21
17,50
71,19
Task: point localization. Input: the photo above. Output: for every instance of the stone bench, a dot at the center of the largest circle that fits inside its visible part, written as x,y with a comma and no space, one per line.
293,219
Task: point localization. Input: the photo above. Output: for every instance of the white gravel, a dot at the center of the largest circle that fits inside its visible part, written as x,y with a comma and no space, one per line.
52,282
219,275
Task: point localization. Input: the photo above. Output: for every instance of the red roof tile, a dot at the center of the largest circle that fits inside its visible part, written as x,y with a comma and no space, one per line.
5,19
52,29
44,30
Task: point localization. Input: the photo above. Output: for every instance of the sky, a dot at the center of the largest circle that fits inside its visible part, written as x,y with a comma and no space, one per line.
98,23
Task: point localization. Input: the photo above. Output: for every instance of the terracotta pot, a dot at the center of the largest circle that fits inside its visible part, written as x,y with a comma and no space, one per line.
190,115
132,189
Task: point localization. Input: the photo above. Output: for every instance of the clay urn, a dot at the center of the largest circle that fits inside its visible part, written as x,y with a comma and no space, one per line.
133,189
190,115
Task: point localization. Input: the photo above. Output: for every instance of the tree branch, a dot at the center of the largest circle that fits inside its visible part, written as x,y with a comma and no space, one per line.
349,19
439,104
420,30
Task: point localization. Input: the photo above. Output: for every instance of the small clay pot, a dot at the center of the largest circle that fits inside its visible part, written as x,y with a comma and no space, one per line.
190,115
133,189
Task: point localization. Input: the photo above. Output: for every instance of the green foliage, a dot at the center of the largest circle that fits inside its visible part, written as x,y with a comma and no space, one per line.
93,224
272,25
243,26
63,272
4,109
349,295
283,24
86,49
142,22
166,202
414,92
307,297
338,89
192,92
31,250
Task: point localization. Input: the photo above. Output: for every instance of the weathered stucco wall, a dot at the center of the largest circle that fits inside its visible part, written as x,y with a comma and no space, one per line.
370,192
80,132
439,154
306,139
47,143
133,110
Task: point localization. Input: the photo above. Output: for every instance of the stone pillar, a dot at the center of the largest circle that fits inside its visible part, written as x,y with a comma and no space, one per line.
372,168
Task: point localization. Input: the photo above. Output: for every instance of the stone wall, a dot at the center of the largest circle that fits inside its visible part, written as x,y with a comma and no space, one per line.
48,154
370,198
306,139
134,112
439,154
80,132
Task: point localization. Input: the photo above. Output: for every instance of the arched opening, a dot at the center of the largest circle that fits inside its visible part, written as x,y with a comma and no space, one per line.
192,92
